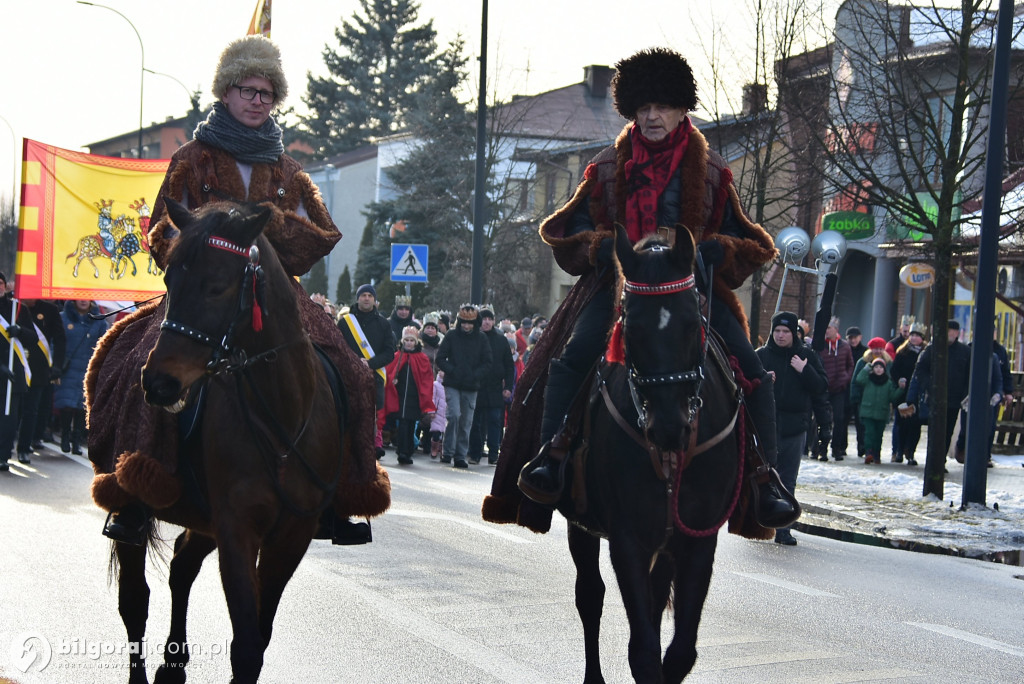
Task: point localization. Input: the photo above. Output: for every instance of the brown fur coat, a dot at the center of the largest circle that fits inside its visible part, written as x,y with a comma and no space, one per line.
706,188
133,446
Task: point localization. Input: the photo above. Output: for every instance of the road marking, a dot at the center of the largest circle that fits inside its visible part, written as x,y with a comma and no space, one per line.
489,528
772,658
972,638
468,650
79,460
881,674
792,586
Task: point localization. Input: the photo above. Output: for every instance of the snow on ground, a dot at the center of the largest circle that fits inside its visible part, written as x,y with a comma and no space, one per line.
893,487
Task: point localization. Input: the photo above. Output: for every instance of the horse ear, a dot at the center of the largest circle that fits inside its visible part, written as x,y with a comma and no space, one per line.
624,250
684,249
253,224
180,216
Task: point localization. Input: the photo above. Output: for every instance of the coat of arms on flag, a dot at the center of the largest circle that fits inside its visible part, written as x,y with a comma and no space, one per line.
84,225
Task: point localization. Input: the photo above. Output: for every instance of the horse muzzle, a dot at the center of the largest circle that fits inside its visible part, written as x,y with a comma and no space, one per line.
161,389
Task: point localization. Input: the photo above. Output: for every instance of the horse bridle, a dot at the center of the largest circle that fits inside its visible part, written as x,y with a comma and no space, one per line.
251,299
695,375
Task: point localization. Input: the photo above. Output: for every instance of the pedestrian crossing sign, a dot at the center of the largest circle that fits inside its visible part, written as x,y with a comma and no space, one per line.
409,263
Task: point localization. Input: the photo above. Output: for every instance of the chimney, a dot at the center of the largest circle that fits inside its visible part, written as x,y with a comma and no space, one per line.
597,78
755,98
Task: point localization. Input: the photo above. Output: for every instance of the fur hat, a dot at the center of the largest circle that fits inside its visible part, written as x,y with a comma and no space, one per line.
786,319
410,331
657,75
250,56
468,313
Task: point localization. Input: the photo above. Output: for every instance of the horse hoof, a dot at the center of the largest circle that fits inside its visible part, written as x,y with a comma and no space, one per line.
170,674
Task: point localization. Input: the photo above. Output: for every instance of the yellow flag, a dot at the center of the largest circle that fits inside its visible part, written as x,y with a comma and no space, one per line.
84,225
260,24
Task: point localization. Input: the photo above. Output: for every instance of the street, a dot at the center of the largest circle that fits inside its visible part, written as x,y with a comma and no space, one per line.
441,596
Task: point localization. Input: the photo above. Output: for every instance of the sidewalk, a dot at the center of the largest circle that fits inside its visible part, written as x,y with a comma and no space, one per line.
882,505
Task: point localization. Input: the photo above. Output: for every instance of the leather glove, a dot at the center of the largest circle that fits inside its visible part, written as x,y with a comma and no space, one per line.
14,330
6,374
711,253
606,252
55,373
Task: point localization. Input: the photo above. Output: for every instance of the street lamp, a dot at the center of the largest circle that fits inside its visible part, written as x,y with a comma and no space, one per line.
142,70
193,96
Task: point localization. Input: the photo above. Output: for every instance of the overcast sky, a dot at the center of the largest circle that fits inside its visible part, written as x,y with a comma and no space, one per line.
71,72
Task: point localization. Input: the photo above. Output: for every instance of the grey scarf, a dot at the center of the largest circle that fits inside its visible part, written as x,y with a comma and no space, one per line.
247,145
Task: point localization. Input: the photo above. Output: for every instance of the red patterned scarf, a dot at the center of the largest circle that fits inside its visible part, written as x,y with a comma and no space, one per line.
647,174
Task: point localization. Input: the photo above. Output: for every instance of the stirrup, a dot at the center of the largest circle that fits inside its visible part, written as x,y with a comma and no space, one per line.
556,459
121,528
768,475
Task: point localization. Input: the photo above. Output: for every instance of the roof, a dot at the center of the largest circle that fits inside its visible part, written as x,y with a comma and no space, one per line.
569,113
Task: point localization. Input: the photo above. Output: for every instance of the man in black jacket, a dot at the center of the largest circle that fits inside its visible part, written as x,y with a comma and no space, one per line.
17,328
45,358
799,377
369,335
495,390
465,358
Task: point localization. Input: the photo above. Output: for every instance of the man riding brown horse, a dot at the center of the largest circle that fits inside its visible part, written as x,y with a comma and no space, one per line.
237,154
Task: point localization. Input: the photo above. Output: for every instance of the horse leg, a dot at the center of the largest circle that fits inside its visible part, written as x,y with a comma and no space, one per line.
190,549
585,549
95,268
237,549
632,565
279,556
661,585
694,558
133,605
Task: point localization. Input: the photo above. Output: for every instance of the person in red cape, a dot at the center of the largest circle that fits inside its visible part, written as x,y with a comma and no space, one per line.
659,176
409,393
237,154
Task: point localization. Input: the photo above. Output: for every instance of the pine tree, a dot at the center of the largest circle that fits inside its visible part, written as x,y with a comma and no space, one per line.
343,295
433,187
381,60
316,280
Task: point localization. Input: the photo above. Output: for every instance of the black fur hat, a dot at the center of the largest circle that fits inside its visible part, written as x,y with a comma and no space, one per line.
657,75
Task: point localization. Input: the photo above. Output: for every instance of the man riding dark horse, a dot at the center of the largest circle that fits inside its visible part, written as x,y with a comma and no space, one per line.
658,177
238,155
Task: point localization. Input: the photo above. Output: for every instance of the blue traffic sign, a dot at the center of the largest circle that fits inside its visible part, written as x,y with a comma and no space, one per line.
409,263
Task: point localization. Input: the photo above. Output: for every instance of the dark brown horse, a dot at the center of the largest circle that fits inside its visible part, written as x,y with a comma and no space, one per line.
656,495
267,455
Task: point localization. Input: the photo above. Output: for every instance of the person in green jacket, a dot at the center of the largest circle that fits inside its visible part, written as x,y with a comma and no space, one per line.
879,392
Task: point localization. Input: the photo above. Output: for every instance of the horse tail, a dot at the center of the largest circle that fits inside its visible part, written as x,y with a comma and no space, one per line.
155,547
77,247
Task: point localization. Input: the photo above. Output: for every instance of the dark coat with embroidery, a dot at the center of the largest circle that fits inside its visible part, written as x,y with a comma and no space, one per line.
706,191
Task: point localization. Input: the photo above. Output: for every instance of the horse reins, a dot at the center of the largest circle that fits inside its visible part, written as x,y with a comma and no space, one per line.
230,359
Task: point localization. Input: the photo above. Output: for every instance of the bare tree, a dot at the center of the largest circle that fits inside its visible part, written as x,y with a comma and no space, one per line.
8,235
902,135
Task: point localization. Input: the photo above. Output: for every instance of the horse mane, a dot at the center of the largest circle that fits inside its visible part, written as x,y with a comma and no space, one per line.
191,241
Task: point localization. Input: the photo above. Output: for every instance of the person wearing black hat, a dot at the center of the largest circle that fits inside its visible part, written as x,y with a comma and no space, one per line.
659,177
465,358
495,390
798,377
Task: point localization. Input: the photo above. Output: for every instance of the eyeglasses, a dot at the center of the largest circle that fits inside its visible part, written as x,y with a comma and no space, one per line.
247,93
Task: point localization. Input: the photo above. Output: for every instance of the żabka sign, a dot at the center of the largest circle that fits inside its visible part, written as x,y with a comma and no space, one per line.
852,225
917,275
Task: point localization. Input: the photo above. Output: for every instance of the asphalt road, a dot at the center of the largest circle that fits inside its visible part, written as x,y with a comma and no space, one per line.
441,596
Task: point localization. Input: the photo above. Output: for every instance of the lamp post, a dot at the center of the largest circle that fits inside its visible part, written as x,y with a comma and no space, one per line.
142,70
193,96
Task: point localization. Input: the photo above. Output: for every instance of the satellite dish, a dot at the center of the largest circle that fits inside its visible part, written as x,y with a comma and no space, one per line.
793,244
829,247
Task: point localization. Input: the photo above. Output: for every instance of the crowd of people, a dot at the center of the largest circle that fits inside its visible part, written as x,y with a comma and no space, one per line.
45,349
444,381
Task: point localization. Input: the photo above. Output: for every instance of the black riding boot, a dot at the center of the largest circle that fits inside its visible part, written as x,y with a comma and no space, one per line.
773,509
130,525
563,384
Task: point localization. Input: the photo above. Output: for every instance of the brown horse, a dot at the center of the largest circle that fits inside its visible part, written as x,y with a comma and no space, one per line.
266,456
656,495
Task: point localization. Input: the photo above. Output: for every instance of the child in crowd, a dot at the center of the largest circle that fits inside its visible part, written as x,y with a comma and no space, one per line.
439,422
879,392
409,396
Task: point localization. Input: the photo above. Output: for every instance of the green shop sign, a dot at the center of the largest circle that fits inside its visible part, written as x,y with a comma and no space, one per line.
852,225
911,229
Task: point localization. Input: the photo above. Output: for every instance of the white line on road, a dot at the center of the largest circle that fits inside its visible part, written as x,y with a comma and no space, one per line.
489,528
792,586
79,460
972,638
